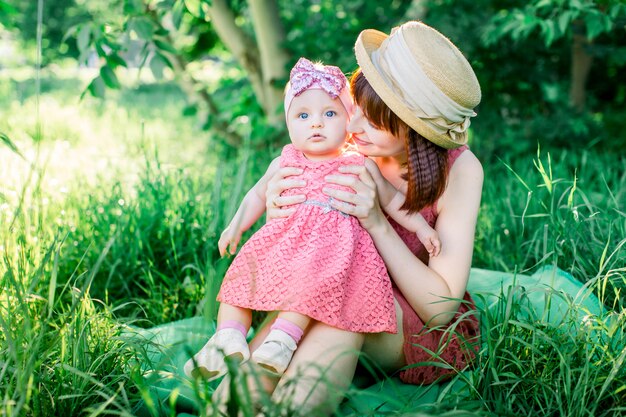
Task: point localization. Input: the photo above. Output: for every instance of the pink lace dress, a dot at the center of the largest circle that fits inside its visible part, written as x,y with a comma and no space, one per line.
318,262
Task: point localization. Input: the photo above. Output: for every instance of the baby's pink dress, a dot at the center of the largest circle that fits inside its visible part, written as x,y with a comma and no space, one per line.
318,262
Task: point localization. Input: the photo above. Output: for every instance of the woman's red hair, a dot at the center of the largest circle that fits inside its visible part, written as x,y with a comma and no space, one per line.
427,163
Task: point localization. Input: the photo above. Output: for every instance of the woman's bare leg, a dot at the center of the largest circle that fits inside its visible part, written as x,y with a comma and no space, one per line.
386,350
320,371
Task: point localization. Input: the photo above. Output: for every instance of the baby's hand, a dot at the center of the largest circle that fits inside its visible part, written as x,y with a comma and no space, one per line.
430,239
229,240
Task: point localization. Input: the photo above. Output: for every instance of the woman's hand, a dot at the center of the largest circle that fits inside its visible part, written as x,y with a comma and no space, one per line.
363,202
278,206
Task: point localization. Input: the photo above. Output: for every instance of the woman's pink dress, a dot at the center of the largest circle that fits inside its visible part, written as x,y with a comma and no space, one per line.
318,262
455,345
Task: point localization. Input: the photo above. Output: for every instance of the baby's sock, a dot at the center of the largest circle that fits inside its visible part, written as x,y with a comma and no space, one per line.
233,324
292,329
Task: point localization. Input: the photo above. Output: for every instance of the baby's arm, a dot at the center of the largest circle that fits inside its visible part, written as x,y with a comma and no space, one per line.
250,210
391,199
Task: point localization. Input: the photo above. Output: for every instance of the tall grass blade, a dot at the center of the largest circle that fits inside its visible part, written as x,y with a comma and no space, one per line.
520,179
547,176
38,130
570,197
52,286
8,142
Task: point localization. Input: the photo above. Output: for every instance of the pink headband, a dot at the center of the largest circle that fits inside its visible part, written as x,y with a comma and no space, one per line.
306,76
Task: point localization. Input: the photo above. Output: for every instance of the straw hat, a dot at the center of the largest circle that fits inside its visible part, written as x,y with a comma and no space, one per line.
423,78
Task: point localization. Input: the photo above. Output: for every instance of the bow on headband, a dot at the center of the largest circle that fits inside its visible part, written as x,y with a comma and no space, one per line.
305,74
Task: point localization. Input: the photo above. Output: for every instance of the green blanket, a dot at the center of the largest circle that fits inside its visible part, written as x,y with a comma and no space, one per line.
548,295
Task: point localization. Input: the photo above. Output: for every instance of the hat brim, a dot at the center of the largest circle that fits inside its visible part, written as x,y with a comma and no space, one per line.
369,41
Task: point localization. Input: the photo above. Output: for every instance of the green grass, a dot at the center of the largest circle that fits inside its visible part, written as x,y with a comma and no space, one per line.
109,217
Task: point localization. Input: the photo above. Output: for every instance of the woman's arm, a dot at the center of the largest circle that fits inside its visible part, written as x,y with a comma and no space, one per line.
251,208
391,201
445,277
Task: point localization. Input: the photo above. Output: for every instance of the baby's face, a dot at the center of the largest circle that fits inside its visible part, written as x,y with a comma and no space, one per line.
317,124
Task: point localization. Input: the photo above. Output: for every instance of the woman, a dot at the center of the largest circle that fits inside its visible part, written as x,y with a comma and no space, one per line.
415,93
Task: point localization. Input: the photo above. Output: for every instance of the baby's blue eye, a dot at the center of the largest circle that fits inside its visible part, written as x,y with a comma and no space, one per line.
330,113
303,116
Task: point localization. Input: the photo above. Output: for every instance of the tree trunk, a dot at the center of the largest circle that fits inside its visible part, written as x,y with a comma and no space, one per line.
195,89
581,64
240,44
270,38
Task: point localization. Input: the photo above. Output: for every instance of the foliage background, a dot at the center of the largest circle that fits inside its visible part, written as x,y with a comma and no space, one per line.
130,132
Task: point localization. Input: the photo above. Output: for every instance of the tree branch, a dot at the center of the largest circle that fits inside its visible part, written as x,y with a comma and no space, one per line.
193,87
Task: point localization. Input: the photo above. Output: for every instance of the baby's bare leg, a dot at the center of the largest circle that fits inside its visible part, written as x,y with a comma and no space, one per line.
228,343
229,312
298,319
277,349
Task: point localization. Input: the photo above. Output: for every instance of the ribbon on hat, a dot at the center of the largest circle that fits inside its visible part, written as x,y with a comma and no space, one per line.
408,80
304,74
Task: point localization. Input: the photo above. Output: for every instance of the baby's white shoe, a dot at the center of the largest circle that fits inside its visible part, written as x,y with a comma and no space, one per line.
276,352
210,361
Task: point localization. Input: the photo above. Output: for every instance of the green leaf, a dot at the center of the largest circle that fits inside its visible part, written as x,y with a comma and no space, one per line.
84,35
190,110
595,25
166,4
198,8
84,56
548,29
157,65
544,3
608,23
99,49
161,31
114,61
165,46
109,77
133,7
616,9
96,87
177,13
576,4
110,42
195,8
564,21
143,27
166,60
8,142
71,32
